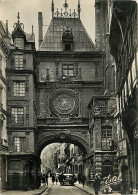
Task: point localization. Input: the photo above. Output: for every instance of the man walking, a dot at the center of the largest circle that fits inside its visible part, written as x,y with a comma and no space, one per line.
46,179
79,178
96,184
83,178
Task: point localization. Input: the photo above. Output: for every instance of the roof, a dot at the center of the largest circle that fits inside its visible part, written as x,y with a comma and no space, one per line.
53,37
30,37
3,29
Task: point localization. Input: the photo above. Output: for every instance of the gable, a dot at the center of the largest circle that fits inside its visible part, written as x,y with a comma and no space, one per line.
53,38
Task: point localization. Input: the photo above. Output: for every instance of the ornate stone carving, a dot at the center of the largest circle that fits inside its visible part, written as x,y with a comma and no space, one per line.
42,75
64,102
69,137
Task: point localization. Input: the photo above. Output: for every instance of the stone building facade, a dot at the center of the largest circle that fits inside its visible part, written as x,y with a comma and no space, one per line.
102,128
52,85
21,107
65,92
4,52
123,44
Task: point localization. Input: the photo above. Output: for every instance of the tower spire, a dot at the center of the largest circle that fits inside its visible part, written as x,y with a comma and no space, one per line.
65,5
52,7
18,18
79,9
18,23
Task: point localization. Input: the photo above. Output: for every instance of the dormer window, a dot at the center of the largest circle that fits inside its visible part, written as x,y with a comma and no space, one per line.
67,46
67,39
19,43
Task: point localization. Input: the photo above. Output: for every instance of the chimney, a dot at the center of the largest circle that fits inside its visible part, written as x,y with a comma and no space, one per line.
7,34
40,28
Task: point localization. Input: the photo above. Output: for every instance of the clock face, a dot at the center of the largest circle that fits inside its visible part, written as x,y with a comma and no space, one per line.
63,102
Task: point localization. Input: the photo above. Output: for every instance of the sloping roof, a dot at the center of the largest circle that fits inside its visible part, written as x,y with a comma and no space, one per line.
53,38
30,37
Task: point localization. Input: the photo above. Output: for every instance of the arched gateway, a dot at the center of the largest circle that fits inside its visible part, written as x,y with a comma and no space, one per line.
64,137
49,92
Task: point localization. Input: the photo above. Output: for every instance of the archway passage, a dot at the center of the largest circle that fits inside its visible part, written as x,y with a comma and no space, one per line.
79,141
60,158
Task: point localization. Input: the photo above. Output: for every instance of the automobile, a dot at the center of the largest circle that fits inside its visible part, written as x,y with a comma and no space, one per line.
69,179
57,174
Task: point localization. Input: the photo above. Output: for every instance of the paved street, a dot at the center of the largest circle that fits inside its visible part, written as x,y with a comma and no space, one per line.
78,189
63,190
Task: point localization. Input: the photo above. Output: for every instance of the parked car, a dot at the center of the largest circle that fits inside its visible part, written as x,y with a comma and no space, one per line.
69,179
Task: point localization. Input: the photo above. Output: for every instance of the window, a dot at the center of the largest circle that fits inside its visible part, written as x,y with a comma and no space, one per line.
106,138
19,88
18,62
17,115
19,42
68,70
67,47
19,144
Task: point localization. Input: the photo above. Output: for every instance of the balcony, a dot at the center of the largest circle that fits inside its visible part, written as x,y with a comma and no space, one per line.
101,106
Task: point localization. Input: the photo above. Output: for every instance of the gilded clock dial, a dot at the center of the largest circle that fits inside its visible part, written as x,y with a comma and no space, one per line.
64,104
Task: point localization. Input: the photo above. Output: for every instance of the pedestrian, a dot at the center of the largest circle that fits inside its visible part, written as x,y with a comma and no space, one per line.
56,180
46,179
38,180
53,178
43,179
96,184
83,178
61,179
79,178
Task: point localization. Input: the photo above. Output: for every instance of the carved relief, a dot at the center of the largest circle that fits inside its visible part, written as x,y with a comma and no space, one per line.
97,129
45,138
64,102
42,75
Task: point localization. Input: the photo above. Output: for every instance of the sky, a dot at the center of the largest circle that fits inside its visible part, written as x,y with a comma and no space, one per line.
29,9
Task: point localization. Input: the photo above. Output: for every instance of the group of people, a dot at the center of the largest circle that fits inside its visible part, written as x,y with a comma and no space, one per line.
54,178
81,178
62,179
44,178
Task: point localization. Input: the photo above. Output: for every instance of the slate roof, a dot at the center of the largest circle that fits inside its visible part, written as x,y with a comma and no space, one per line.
53,37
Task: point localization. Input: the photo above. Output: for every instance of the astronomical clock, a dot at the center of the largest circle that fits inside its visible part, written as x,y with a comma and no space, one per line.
64,103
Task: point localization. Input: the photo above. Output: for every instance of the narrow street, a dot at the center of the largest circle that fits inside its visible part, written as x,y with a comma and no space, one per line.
63,190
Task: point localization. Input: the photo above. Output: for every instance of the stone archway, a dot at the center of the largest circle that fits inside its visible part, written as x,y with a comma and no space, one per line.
44,140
